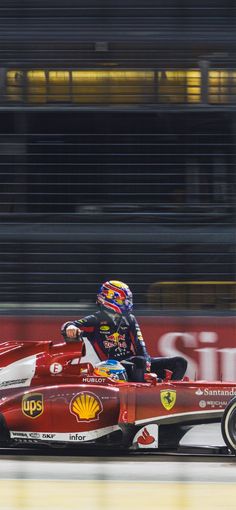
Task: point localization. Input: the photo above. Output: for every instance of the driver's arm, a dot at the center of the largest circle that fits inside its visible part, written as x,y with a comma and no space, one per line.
72,330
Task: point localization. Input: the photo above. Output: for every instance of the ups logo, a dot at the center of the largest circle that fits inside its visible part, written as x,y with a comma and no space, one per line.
32,405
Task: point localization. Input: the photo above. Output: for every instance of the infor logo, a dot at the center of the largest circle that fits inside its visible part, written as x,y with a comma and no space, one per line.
32,405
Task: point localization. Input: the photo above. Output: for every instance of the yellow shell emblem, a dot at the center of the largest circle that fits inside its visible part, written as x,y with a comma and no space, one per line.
86,406
168,398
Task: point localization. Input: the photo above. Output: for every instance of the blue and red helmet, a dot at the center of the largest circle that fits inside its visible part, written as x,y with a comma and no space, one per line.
112,369
116,297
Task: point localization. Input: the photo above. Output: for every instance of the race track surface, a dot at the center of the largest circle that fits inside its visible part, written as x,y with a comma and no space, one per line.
138,482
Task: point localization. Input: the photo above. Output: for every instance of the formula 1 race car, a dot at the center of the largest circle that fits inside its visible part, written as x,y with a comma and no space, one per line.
48,395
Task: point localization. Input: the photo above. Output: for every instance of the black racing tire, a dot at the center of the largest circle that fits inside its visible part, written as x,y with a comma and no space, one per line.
4,432
228,425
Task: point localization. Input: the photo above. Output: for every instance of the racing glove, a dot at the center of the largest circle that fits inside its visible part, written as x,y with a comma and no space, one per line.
73,333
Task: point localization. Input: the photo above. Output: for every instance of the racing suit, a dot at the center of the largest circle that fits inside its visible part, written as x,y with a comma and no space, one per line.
123,341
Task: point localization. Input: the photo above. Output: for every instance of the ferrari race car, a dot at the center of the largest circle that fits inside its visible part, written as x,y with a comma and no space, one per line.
48,395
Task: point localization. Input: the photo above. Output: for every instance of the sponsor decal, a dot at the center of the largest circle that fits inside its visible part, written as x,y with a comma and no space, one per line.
19,373
19,434
104,329
115,340
202,403
86,406
217,403
217,392
199,392
139,334
110,397
76,437
147,437
115,337
229,392
213,403
34,435
168,398
97,380
32,405
13,382
56,368
63,436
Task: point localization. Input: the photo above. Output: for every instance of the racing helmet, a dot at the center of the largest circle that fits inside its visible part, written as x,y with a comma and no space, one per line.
116,297
112,369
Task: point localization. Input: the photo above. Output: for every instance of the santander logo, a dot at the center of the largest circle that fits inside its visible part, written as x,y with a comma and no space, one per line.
145,438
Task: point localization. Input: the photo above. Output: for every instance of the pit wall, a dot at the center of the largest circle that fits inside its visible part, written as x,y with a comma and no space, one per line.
207,342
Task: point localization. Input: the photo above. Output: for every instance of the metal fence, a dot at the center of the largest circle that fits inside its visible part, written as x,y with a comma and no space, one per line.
139,197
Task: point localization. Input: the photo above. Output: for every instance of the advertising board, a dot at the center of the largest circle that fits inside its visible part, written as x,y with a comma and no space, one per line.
207,342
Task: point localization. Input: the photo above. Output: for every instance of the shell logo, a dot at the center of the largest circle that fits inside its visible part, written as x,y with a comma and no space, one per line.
86,406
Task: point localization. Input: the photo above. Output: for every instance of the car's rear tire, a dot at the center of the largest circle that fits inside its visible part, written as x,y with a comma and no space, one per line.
228,425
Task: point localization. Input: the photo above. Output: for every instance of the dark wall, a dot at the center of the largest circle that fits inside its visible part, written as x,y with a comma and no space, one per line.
92,31
118,191
139,197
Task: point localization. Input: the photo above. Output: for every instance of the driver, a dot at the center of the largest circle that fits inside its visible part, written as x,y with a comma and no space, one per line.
112,369
115,334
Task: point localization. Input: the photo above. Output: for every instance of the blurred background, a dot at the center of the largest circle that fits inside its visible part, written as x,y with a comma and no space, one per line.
117,161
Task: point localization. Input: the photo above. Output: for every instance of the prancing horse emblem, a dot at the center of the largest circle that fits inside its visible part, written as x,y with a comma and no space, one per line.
168,398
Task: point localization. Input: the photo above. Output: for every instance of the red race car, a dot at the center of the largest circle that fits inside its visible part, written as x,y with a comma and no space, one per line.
48,395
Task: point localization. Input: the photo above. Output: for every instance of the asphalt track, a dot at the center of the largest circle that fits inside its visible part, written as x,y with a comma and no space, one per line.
87,482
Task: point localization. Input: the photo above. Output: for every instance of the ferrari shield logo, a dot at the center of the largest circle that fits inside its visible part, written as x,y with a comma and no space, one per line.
168,398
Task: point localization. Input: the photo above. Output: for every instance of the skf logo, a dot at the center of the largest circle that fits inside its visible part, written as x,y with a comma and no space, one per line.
168,398
86,406
32,405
